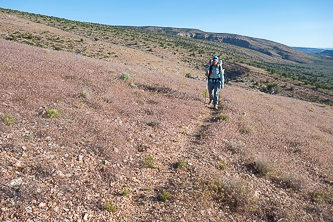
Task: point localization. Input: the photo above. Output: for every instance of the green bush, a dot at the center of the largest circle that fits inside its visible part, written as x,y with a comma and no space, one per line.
124,76
84,95
231,192
110,207
149,162
205,94
181,164
58,48
53,113
8,118
223,166
165,196
13,37
188,75
133,86
126,191
223,117
273,88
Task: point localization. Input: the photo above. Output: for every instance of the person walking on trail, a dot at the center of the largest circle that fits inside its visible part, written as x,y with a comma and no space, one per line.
215,80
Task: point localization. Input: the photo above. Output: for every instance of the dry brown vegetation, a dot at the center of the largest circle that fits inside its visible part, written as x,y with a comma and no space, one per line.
86,146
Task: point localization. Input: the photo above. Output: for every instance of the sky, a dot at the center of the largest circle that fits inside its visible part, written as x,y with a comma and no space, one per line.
296,23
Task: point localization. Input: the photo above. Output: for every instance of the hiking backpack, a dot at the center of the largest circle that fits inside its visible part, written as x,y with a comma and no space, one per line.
219,65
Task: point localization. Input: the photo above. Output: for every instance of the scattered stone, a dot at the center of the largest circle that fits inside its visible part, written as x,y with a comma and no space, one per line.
16,182
18,164
4,209
28,209
80,158
85,218
42,205
60,173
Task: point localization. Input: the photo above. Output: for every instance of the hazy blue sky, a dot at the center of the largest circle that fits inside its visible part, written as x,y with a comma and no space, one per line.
306,23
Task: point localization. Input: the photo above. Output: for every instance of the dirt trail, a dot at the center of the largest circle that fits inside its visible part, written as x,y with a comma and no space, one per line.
166,176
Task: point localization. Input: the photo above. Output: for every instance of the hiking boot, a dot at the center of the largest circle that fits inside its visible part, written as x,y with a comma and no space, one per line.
215,107
210,102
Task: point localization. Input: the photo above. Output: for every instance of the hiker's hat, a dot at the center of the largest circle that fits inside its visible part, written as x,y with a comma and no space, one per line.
215,58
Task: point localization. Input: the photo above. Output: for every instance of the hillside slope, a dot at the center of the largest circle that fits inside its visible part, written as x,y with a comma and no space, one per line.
160,49
79,143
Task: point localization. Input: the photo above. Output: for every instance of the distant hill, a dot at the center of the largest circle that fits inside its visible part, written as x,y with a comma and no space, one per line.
309,50
270,48
327,53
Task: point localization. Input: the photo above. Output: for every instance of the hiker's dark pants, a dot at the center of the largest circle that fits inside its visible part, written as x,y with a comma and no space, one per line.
213,89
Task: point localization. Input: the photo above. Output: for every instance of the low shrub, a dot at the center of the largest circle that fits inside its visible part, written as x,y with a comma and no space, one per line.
236,146
153,123
223,166
8,118
293,182
230,192
180,164
110,207
165,196
188,75
223,117
124,76
262,167
202,134
53,113
125,191
85,95
149,162
133,86
245,130
322,196
58,48
272,88
205,94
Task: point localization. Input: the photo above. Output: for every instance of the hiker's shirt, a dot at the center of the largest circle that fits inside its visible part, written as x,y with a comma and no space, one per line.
216,73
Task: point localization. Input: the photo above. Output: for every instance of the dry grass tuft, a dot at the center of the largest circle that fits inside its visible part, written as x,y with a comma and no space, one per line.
236,146
291,181
262,166
230,192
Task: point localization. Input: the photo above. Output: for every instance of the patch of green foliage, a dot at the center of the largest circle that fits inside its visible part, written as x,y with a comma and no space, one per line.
110,207
180,164
223,117
126,191
165,196
149,162
52,113
124,76
133,86
8,118
223,166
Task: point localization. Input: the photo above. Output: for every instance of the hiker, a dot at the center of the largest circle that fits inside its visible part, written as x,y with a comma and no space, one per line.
215,80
